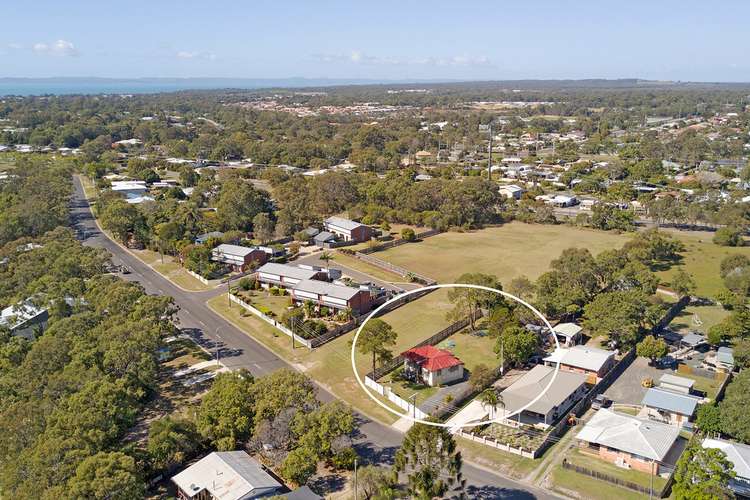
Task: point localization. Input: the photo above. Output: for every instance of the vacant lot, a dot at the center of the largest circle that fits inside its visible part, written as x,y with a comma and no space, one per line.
509,251
702,259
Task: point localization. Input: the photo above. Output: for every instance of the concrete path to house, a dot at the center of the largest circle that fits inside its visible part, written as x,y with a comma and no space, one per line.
403,424
473,412
553,457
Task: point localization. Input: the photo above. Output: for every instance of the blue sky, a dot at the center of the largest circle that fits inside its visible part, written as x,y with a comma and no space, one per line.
659,39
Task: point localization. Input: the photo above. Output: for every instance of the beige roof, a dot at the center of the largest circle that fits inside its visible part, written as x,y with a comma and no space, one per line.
581,356
534,383
630,434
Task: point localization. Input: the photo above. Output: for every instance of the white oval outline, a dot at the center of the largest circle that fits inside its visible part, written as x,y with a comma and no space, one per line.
435,287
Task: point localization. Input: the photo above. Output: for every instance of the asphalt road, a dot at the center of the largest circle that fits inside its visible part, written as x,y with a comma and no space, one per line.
375,441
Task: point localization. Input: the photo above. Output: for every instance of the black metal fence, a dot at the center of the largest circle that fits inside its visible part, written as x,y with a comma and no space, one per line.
610,479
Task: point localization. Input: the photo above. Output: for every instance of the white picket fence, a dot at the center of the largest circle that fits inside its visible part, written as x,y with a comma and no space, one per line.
286,331
394,398
500,446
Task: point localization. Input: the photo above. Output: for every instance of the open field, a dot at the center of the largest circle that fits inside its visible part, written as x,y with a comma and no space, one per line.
509,251
702,259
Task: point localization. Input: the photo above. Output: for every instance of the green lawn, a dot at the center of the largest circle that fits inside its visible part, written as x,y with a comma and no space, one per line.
407,389
261,299
575,485
472,349
89,190
590,462
172,270
708,385
365,267
708,316
702,259
509,251
512,465
419,319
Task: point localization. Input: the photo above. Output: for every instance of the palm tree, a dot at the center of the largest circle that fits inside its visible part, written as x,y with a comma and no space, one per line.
490,398
327,258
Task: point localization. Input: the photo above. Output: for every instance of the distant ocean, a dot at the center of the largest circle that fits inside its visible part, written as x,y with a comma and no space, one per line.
60,86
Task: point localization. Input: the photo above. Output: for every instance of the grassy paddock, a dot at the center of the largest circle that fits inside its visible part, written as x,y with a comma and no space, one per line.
701,259
172,270
508,251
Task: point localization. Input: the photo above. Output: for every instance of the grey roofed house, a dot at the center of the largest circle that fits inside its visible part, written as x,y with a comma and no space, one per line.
286,270
23,318
325,288
739,455
202,238
725,356
324,237
581,356
674,402
630,434
342,223
229,475
693,339
534,382
227,250
303,493
312,231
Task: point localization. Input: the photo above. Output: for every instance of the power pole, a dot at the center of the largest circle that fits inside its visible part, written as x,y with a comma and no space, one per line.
489,163
355,479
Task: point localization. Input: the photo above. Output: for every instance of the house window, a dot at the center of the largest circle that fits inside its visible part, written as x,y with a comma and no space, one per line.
453,368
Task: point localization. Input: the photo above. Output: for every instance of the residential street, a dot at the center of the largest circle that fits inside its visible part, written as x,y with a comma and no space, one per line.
238,350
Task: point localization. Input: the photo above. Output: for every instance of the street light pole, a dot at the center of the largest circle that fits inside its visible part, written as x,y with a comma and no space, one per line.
218,347
355,478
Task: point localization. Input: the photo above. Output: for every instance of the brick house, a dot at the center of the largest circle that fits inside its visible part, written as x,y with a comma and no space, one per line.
590,361
628,441
348,230
239,258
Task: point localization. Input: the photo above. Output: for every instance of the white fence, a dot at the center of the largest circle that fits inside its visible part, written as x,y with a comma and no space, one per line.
197,276
394,398
270,321
500,446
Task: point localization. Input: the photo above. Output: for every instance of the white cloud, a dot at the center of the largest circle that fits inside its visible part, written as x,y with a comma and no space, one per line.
357,57
184,54
58,48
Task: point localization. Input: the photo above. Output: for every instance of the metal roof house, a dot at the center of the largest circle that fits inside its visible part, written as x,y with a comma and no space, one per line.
725,358
567,388
676,384
286,275
583,359
567,333
628,441
339,297
739,455
670,407
24,319
238,256
228,475
348,230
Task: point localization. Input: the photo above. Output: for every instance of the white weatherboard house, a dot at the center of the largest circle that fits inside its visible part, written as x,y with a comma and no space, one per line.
225,475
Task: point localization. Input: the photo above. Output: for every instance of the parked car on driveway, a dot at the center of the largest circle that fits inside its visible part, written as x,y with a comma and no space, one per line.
600,401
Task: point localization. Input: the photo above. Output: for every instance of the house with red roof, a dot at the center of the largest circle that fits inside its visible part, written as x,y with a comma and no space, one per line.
432,366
